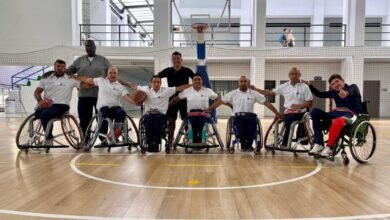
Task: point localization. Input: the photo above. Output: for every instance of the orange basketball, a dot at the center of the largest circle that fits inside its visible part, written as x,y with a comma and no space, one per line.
139,97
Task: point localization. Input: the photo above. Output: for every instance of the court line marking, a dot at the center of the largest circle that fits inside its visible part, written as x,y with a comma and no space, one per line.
98,164
75,169
84,217
194,165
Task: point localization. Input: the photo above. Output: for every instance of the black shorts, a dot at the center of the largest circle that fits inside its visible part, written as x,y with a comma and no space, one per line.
180,106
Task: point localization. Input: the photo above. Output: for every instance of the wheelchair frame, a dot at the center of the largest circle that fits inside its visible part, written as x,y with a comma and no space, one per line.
164,135
293,141
230,145
350,137
37,136
110,141
210,140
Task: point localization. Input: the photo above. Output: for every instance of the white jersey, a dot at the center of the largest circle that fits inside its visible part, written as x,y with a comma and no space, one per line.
198,99
109,93
294,94
243,101
157,100
58,89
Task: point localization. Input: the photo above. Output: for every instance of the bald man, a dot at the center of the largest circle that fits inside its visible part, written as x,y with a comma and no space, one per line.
242,100
109,94
297,98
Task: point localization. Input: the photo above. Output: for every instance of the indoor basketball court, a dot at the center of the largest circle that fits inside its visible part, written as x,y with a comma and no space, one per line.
179,109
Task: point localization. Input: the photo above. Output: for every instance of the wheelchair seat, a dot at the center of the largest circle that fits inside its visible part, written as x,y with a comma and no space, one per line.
156,145
128,137
32,135
232,135
207,133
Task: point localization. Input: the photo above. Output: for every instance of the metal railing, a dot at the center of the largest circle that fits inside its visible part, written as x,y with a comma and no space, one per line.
120,35
240,35
306,35
17,78
377,34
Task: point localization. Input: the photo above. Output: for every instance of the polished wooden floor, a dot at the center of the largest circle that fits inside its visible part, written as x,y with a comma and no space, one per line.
64,184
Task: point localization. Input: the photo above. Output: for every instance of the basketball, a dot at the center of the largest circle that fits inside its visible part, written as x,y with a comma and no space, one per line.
139,97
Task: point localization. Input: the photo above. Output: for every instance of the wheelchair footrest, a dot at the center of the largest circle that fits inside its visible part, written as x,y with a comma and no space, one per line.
115,145
271,147
198,145
44,146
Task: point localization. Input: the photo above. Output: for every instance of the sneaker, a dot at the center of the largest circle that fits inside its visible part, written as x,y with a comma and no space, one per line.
316,149
48,142
117,132
327,152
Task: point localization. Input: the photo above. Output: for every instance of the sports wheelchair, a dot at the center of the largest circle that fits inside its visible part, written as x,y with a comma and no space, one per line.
31,134
360,137
299,138
156,144
208,134
232,137
128,137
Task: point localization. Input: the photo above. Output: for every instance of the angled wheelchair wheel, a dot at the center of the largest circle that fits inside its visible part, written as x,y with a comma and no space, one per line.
363,141
72,131
273,138
142,134
229,133
92,133
30,133
132,137
259,138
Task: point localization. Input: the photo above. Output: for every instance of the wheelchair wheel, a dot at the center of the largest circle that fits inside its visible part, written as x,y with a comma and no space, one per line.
272,135
142,134
132,136
72,131
363,141
229,133
30,136
308,127
259,138
92,133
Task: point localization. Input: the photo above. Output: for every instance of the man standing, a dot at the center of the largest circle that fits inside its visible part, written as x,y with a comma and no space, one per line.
90,65
176,75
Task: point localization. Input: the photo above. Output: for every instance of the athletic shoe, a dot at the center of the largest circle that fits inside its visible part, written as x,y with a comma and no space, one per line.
327,152
316,149
48,142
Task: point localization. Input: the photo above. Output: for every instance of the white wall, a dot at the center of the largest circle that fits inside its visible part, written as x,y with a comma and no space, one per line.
380,71
33,25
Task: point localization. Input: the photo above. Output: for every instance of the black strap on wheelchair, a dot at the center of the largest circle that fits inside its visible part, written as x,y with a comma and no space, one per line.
245,115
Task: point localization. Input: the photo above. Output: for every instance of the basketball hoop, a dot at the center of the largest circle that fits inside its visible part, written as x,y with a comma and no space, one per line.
199,27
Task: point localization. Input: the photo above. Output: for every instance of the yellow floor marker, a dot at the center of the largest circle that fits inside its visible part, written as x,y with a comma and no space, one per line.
193,182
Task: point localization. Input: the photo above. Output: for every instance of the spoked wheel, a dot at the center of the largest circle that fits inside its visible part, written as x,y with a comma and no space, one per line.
30,133
309,131
212,126
259,138
273,138
363,142
130,133
141,133
229,133
92,133
72,131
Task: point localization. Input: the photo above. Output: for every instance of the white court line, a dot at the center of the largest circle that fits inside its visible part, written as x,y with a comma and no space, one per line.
84,217
75,169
